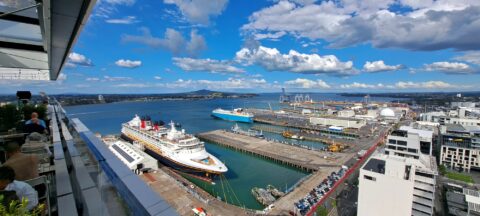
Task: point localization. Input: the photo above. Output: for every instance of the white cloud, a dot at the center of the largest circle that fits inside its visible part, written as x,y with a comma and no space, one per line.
105,8
401,85
92,79
230,83
308,84
132,85
449,67
441,24
472,57
356,85
128,63
379,66
271,59
62,77
272,36
120,2
125,20
115,79
206,65
75,59
157,77
199,11
173,41
196,44
424,85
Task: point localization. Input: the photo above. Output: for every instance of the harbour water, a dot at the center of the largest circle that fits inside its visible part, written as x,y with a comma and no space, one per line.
245,171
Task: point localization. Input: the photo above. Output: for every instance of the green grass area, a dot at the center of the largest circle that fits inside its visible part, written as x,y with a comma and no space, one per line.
455,176
459,177
322,211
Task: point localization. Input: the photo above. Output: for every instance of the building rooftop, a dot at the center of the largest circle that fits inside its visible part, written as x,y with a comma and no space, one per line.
375,165
393,165
424,132
456,128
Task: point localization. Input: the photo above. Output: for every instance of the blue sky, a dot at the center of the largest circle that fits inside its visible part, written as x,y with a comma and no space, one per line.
145,46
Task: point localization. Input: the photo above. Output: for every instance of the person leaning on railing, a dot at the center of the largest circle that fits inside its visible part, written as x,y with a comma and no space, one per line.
22,189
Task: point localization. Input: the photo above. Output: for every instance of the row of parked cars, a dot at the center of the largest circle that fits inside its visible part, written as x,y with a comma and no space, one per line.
316,194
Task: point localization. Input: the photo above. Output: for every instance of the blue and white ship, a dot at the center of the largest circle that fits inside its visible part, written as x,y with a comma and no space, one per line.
238,115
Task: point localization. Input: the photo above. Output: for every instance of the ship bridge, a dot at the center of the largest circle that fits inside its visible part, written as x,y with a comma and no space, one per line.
36,36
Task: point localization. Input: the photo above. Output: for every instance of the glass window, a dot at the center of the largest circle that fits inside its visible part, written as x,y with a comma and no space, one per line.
369,178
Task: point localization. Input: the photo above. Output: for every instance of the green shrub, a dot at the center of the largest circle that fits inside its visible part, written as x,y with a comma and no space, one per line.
9,117
28,109
16,208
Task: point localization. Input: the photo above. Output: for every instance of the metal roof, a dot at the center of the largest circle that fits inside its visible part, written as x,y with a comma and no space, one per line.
36,36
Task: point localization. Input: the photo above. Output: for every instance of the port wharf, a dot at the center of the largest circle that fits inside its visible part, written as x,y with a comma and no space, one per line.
307,136
182,195
300,158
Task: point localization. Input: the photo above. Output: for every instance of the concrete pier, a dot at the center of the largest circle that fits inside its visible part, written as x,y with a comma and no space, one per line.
284,154
183,198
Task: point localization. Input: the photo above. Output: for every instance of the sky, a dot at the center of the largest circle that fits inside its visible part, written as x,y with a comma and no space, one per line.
161,46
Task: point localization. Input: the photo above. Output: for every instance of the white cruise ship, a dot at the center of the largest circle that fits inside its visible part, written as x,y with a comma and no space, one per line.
173,148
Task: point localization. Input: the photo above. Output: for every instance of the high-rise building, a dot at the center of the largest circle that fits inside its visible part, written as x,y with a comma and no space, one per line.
460,147
411,141
395,185
401,180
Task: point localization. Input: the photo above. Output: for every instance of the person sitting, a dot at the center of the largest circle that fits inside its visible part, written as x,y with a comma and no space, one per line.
35,120
25,165
22,189
35,125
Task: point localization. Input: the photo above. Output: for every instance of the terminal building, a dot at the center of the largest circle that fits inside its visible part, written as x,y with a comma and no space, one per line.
338,122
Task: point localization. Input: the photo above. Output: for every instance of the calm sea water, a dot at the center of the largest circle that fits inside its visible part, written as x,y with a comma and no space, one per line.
245,171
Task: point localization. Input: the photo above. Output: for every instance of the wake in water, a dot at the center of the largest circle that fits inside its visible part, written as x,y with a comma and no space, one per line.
83,113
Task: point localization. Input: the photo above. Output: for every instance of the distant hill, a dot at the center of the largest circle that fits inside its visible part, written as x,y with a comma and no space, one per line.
202,92
206,92
110,98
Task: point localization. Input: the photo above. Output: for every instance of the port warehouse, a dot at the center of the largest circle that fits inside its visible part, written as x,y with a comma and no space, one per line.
270,120
338,122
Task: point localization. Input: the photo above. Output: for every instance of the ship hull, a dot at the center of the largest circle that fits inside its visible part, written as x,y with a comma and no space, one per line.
235,118
202,174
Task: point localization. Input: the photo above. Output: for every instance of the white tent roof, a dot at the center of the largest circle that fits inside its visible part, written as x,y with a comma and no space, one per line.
34,43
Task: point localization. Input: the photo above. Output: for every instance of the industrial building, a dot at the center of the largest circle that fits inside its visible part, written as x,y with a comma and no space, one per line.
463,104
405,184
338,122
463,116
347,113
